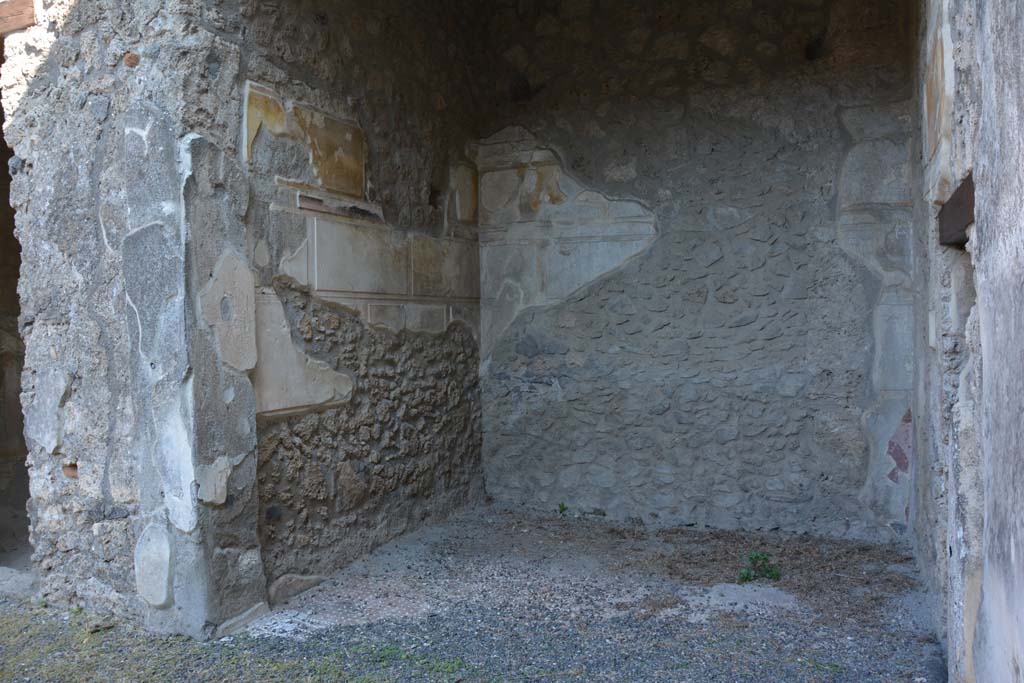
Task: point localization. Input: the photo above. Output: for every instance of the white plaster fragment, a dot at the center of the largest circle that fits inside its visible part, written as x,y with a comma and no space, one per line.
296,264
240,621
153,565
213,479
290,585
261,253
544,235
44,420
286,379
228,306
174,456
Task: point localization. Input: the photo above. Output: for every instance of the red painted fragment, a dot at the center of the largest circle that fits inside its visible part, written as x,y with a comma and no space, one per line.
901,446
898,455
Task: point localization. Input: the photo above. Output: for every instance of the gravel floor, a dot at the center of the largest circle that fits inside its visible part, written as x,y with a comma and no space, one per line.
495,596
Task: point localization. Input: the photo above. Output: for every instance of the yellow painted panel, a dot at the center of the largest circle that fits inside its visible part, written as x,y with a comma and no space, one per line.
335,146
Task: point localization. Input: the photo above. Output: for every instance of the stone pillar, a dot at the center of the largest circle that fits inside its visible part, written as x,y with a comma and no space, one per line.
101,106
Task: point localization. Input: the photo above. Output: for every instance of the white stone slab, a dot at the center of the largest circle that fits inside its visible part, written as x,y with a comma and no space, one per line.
286,379
354,257
228,306
153,566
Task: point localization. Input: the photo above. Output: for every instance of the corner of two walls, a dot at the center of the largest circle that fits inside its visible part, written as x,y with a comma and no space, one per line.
366,380
336,285
153,241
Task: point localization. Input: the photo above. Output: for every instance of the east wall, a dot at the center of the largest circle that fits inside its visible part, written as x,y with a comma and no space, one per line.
967,520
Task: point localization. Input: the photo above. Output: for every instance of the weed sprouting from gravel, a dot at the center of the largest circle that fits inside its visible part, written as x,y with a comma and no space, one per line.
759,566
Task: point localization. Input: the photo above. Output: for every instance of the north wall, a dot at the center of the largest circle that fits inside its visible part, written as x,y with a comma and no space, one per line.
716,201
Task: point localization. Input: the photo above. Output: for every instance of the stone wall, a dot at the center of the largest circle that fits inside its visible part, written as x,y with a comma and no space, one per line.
969,523
752,365
999,265
94,96
948,501
159,206
695,243
343,208
404,448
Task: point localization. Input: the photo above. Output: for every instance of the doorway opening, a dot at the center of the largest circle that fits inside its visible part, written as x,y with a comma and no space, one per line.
15,549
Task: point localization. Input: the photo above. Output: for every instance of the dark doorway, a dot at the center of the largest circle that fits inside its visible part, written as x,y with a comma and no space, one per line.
14,492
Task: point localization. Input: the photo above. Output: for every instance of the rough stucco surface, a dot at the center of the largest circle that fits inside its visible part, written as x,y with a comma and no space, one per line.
948,499
96,190
397,68
948,505
999,640
752,367
403,449
967,515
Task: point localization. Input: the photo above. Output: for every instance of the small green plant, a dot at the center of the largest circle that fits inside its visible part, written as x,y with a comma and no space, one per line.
387,654
441,666
759,566
562,508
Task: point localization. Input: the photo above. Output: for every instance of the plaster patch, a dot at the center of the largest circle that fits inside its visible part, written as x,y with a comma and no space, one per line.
240,621
901,447
497,190
357,257
464,193
876,172
43,407
296,264
290,585
228,306
213,479
153,566
174,459
425,318
445,268
261,254
894,348
285,379
543,235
